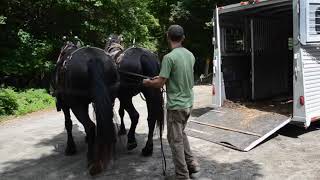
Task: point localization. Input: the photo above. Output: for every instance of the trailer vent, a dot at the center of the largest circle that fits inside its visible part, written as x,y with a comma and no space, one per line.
318,20
314,21
310,21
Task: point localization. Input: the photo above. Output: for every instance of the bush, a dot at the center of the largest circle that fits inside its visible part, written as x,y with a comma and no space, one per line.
8,103
23,102
34,100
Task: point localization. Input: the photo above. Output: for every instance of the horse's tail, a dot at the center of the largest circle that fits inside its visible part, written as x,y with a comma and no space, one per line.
55,85
101,97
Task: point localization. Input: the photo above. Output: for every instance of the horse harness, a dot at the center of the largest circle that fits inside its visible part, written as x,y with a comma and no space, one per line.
115,50
61,69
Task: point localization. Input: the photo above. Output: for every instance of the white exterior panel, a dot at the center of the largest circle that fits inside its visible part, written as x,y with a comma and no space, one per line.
311,72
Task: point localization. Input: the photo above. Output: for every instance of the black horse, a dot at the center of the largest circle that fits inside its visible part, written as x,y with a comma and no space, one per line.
83,76
134,64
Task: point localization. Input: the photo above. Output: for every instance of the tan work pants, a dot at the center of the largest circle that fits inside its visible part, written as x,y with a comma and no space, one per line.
178,140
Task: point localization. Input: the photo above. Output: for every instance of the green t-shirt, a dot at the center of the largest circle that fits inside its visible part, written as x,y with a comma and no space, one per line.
177,68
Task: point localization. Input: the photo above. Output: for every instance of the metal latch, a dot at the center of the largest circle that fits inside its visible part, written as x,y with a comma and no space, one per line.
296,72
215,64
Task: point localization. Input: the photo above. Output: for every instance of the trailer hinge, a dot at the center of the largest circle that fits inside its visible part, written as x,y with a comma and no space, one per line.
298,38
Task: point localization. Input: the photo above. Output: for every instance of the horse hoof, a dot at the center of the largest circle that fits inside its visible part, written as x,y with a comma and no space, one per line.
90,160
90,164
132,145
147,152
122,132
96,168
70,151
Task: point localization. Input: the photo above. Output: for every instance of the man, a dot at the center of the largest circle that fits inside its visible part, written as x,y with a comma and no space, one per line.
177,73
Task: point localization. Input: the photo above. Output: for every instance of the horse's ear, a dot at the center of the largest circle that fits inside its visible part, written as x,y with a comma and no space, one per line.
121,38
134,42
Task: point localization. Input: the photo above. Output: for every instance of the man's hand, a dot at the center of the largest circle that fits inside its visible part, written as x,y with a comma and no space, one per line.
155,82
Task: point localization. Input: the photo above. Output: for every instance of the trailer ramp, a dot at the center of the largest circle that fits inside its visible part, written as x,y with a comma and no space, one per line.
237,128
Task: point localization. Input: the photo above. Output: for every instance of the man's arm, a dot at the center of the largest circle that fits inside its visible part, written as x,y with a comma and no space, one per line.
159,81
156,82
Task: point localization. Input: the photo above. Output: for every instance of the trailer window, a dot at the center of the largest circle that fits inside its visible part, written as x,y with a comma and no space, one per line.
290,44
318,20
234,40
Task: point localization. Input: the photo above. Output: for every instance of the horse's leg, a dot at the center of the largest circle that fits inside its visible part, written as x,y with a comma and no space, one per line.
151,106
82,114
122,130
134,116
71,146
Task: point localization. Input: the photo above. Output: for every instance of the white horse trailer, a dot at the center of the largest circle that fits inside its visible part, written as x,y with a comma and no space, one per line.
265,52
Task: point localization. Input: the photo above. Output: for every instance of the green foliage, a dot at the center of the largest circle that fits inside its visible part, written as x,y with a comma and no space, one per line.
8,102
31,31
23,102
179,12
33,100
29,58
3,19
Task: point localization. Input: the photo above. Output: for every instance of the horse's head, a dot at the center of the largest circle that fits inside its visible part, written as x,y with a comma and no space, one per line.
113,39
66,49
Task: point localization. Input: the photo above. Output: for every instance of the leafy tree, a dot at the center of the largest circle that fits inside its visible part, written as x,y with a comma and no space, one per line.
31,31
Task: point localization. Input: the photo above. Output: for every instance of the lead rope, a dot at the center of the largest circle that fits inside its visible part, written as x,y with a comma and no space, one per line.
117,121
164,161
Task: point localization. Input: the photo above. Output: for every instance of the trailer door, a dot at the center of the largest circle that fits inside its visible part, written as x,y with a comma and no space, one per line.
217,82
307,62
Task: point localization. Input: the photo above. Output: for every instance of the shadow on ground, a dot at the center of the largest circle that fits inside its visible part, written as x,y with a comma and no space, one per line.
200,111
294,131
128,165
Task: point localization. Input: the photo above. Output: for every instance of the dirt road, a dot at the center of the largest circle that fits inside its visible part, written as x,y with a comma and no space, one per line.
32,147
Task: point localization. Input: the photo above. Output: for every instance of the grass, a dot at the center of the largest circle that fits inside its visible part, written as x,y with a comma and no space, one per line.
17,103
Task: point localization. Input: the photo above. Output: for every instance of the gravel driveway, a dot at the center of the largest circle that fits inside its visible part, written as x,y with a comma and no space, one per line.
32,147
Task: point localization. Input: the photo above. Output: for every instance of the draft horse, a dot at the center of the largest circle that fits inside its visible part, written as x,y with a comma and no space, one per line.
83,76
133,65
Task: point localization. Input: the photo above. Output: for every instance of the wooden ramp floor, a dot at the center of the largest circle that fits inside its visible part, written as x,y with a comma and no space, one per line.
237,128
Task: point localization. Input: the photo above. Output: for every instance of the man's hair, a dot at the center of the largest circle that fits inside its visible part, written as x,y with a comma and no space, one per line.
175,33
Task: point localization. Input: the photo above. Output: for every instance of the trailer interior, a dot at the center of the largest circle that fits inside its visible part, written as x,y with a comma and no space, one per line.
257,57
